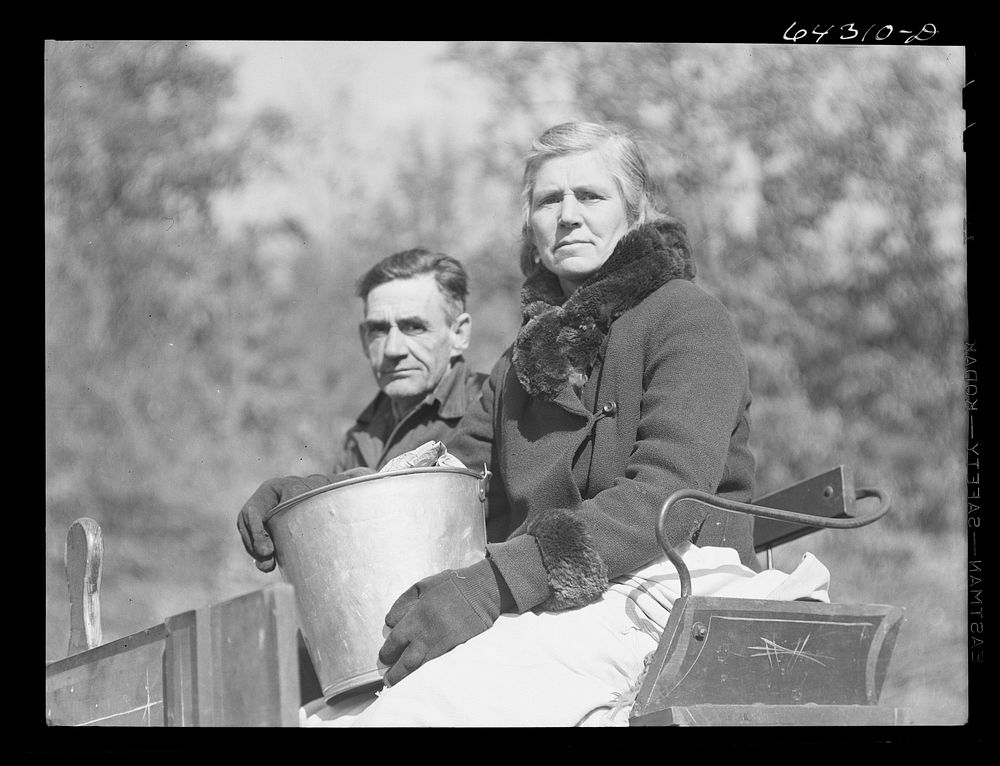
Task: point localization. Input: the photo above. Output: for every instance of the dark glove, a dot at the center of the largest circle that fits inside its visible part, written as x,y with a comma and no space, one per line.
440,612
270,494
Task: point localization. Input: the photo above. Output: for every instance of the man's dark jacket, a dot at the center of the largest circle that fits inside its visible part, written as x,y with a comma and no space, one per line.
374,438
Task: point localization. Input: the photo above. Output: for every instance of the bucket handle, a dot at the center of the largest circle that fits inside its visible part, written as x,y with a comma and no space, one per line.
484,483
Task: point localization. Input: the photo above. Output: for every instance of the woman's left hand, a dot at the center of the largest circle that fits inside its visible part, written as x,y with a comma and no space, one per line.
437,614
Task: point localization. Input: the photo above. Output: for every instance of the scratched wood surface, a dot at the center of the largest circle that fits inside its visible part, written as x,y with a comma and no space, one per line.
231,664
746,651
116,684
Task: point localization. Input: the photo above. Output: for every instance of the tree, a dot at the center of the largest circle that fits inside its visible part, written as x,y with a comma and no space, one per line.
150,317
823,190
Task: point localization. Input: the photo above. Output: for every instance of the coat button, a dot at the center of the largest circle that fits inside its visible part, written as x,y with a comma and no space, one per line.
610,409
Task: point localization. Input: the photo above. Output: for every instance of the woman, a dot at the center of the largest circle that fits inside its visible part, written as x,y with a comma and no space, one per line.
626,382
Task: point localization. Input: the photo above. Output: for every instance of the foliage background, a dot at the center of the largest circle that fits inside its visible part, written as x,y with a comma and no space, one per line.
200,263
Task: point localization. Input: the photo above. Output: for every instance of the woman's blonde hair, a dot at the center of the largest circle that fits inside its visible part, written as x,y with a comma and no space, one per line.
622,155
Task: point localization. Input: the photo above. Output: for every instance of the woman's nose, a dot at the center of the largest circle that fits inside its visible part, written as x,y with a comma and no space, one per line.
569,211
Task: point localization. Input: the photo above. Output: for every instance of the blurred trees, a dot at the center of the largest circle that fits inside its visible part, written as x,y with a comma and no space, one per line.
187,361
824,191
154,327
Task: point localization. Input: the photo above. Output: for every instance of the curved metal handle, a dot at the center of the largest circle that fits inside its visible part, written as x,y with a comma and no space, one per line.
732,506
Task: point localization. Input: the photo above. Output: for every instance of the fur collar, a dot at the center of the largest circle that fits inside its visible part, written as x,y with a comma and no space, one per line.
560,338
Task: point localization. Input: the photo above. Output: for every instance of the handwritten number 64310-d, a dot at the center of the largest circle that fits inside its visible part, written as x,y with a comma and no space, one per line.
850,32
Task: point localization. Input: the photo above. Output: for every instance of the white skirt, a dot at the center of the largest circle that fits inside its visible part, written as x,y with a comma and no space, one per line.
573,668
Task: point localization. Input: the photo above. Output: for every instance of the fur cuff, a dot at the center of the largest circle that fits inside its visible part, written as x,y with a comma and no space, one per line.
576,573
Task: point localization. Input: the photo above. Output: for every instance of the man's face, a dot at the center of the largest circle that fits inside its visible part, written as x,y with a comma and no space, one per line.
409,337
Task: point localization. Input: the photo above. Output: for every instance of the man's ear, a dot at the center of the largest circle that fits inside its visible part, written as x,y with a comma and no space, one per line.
361,337
461,334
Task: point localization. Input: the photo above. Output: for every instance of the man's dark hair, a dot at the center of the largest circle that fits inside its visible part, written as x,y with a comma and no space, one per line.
447,272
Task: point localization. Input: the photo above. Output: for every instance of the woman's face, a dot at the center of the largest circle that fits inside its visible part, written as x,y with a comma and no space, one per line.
577,216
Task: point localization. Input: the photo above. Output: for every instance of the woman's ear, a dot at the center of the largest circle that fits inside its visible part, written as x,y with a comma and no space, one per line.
461,334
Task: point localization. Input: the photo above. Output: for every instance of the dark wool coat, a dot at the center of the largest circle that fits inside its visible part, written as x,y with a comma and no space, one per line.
609,400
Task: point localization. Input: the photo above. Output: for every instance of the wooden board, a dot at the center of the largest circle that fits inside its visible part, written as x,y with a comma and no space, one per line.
774,715
828,495
117,684
235,663
84,562
232,664
728,651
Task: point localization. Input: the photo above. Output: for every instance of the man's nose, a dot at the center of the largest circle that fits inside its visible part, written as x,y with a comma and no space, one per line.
569,210
395,343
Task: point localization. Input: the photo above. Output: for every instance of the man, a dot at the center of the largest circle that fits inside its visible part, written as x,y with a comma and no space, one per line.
414,333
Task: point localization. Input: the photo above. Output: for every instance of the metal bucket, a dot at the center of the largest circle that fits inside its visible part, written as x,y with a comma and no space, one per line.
351,548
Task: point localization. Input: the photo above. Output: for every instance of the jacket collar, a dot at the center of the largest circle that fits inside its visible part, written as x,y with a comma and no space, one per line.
561,337
449,393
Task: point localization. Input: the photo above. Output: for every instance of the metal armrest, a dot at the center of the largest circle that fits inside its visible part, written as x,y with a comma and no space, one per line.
722,504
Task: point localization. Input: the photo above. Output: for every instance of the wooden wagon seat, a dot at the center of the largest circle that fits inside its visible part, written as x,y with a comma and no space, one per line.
234,663
725,661
720,661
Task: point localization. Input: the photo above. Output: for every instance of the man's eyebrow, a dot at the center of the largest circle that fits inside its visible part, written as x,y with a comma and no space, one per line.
414,319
